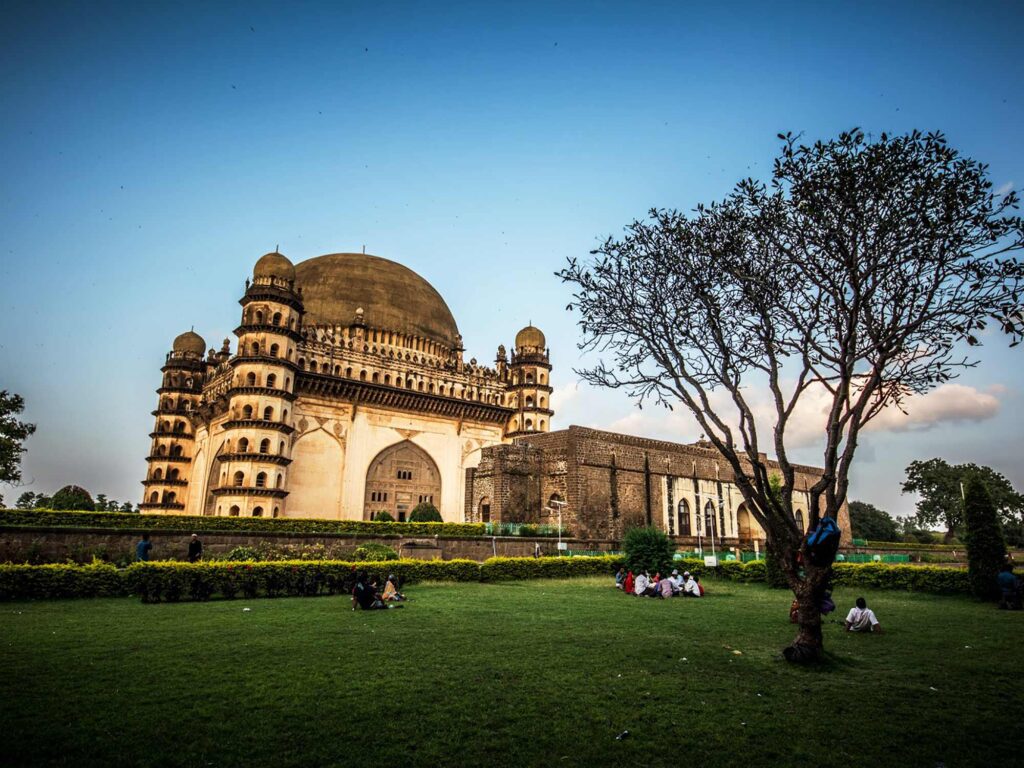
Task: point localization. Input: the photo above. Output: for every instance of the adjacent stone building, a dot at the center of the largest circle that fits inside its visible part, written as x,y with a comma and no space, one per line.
604,483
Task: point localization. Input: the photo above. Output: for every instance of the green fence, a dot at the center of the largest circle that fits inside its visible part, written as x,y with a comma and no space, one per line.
857,557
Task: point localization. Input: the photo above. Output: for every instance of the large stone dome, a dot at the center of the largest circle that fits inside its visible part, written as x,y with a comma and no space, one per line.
530,338
391,296
274,265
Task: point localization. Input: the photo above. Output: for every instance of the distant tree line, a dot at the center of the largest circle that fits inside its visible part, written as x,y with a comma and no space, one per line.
73,497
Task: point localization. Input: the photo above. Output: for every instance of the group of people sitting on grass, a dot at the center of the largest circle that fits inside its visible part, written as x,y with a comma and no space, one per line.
367,596
643,585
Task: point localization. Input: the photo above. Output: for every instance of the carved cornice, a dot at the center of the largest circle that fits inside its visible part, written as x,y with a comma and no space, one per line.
539,387
261,292
162,505
249,490
279,330
268,458
164,481
367,393
259,424
263,360
171,459
271,391
176,435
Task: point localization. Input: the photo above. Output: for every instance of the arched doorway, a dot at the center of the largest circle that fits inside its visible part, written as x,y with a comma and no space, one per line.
799,517
401,477
710,524
744,526
485,509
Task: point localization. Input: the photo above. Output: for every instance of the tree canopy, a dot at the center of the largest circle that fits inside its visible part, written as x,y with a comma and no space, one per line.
941,485
73,497
857,274
869,522
13,434
986,548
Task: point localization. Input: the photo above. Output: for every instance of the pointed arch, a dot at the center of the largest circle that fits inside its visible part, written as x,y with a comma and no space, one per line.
397,477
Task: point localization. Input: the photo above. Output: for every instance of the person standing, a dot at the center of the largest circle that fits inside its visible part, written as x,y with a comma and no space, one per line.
195,549
142,549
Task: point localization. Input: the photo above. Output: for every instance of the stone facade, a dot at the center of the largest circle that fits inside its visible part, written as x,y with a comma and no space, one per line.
347,395
608,482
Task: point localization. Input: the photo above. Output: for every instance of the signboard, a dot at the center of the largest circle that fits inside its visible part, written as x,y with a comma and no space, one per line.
563,545
710,561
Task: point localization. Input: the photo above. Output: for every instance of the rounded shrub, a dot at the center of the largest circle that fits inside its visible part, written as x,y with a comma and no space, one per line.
374,553
425,513
648,549
384,517
72,497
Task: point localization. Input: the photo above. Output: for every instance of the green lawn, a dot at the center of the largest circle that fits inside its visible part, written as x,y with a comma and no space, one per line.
532,673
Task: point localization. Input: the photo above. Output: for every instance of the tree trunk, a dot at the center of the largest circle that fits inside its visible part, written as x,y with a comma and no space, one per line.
808,645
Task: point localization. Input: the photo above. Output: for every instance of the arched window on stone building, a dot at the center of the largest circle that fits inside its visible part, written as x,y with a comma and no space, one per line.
247,412
272,380
798,515
234,511
268,413
683,518
239,479
154,497
250,380
257,512
261,480
265,445
276,319
243,445
158,474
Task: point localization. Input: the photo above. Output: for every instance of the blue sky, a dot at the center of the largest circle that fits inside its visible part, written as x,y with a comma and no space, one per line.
152,152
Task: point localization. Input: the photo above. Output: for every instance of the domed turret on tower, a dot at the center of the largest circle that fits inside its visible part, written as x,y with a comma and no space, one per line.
274,265
189,342
531,338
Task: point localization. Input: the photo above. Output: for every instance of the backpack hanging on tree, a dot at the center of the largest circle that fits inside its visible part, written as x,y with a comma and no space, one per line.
823,542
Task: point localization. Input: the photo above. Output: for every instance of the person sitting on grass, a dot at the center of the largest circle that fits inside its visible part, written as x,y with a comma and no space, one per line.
862,619
665,588
365,595
643,586
391,593
1009,588
690,587
629,584
677,582
620,577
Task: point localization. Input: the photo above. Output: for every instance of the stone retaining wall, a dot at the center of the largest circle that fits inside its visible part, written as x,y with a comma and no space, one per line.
56,545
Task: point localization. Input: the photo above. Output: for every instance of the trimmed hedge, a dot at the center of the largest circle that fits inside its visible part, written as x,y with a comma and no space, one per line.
60,519
172,581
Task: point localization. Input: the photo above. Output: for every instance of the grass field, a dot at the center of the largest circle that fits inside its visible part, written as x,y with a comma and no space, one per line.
530,673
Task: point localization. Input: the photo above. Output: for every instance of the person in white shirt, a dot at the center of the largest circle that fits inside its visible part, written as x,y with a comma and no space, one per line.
862,618
691,588
641,584
677,582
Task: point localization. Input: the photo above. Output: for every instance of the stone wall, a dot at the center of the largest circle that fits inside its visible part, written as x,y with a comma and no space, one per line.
55,545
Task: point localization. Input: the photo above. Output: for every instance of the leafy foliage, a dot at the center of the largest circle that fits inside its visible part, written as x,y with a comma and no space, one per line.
384,517
986,549
13,434
940,486
72,497
425,512
869,522
374,552
648,549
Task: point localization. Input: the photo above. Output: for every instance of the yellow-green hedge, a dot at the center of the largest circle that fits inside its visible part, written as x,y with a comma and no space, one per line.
60,519
171,581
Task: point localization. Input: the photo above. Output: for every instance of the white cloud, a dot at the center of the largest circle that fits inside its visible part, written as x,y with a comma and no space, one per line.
1004,188
949,403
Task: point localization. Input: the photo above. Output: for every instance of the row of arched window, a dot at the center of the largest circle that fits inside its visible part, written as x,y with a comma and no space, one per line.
467,393
542,401
169,497
235,511
244,445
261,480
528,425
177,429
183,405
255,349
172,474
176,450
249,413
260,316
252,380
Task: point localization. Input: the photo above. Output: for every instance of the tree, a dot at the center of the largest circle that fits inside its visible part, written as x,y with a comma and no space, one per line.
127,507
941,488
27,500
101,503
43,501
986,549
648,549
12,434
72,497
854,276
869,522
425,512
